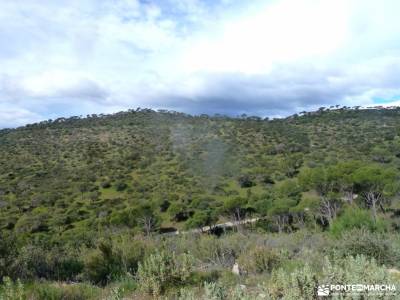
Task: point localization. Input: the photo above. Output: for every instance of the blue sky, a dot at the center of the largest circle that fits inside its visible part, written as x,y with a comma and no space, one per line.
268,58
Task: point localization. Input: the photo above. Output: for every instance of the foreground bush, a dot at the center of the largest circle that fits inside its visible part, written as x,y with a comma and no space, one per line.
384,248
298,284
161,270
12,290
218,291
58,291
36,262
104,264
259,259
284,266
302,282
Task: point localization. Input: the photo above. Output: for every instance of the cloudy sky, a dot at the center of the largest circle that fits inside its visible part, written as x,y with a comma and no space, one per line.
260,57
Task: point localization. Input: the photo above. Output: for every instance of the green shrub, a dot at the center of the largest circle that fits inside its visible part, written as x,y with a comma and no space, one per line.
218,291
199,277
161,270
215,291
116,293
299,284
186,294
131,252
120,186
105,184
302,282
208,249
122,287
58,291
241,293
12,290
221,252
31,262
104,264
52,264
258,260
356,218
200,219
354,270
384,248
8,252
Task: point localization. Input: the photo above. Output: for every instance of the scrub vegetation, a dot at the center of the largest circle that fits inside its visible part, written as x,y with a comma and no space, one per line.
90,208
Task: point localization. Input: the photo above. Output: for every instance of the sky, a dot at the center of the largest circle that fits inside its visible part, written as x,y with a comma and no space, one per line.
274,58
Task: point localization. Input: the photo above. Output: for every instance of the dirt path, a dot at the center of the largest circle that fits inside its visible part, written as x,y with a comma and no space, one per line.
206,229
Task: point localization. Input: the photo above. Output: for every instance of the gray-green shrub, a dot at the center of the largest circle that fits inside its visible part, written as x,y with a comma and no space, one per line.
161,270
384,248
104,264
259,259
302,282
56,291
215,291
12,290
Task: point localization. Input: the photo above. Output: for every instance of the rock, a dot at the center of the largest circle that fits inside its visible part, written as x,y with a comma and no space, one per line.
235,269
262,296
394,271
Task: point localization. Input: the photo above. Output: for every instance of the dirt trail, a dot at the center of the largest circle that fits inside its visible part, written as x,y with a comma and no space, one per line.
209,228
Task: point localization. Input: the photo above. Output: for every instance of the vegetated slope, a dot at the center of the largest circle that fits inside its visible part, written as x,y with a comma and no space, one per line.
70,179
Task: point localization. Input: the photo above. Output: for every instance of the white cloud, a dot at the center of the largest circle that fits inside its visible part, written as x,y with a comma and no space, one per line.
196,56
284,32
16,116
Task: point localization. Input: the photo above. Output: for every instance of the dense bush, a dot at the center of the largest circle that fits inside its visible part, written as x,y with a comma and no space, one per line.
121,186
12,290
274,266
132,251
245,181
8,253
211,251
65,291
104,264
259,259
215,291
357,269
384,248
33,261
298,284
162,270
302,282
354,218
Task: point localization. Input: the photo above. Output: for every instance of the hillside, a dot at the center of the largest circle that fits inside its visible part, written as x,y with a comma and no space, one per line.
85,200
70,176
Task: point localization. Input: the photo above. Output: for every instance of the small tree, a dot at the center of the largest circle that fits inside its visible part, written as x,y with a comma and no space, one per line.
376,184
381,155
201,219
280,212
341,177
245,181
329,208
148,219
322,181
103,264
236,207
